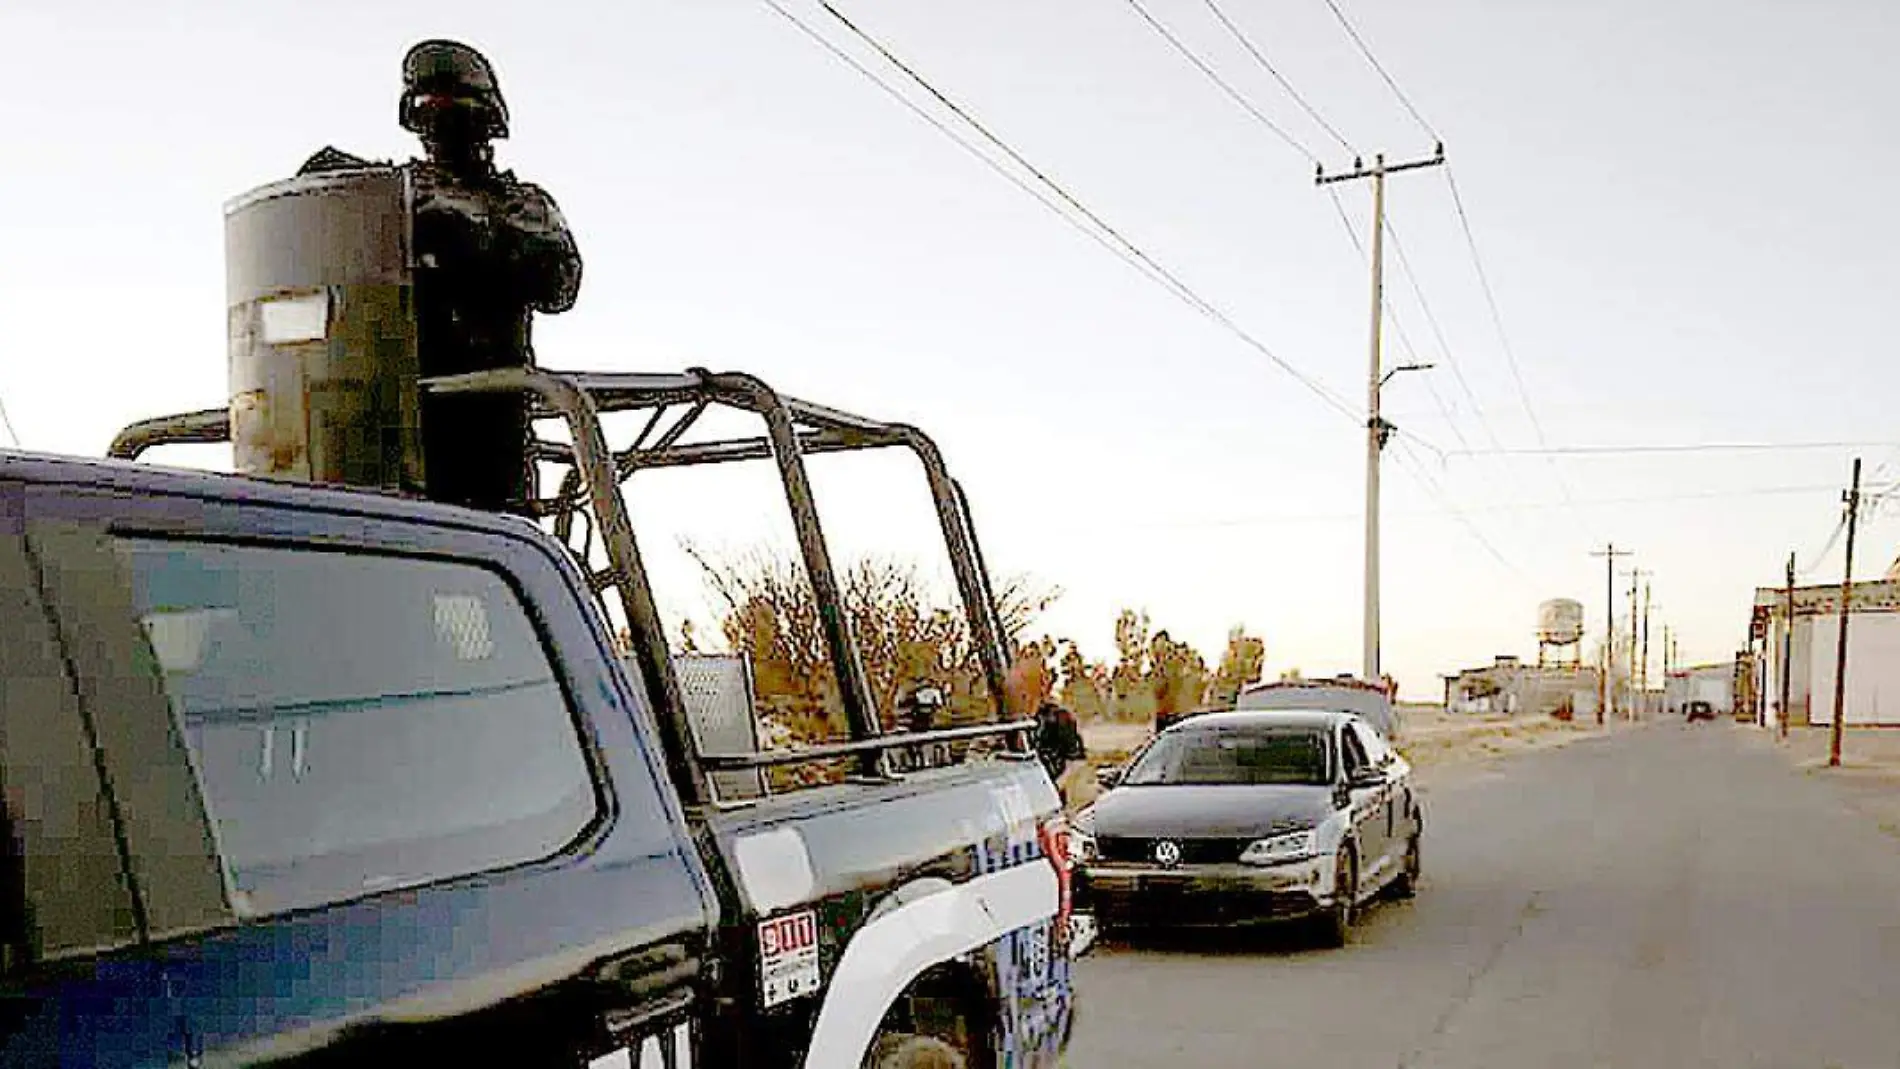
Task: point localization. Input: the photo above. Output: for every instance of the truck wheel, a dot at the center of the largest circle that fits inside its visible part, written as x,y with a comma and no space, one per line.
905,1050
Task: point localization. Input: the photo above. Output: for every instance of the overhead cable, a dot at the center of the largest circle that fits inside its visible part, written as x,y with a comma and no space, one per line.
1674,447
1175,286
1391,84
1225,86
1260,58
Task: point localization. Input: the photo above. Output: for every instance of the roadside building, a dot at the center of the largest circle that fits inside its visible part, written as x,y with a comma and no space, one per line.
1712,683
1872,694
1510,687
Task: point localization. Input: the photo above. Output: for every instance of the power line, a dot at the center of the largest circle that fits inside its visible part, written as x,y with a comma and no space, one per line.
1226,87
7,422
1497,323
1444,499
1678,447
1179,289
1398,327
1443,408
1262,519
1827,547
1365,51
1260,58
1405,268
1491,302
1414,436
1464,220
964,143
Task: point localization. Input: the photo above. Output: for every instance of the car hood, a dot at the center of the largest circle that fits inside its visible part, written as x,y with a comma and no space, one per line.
1224,812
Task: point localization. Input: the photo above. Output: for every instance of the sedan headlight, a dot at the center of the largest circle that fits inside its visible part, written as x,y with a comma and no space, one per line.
1082,837
1279,849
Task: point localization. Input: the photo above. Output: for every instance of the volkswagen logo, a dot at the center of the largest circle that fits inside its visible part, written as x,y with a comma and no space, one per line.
1167,853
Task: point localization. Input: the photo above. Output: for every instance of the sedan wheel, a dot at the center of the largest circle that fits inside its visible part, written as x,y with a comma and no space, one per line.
1336,926
1406,885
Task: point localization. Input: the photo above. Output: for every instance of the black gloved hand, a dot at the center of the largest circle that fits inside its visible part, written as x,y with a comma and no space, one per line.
453,233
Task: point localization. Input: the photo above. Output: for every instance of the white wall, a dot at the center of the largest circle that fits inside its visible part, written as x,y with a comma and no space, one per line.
1873,668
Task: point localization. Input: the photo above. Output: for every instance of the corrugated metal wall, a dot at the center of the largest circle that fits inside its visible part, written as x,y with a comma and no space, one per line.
1873,668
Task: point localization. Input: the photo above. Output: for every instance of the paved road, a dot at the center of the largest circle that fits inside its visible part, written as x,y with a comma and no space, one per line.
1666,897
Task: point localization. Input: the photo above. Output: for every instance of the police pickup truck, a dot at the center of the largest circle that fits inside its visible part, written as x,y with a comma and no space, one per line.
302,774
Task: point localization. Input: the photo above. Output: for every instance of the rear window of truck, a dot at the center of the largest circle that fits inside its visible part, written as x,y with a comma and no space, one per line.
359,722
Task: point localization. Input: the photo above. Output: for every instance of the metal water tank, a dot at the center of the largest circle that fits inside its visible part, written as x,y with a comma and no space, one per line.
1560,622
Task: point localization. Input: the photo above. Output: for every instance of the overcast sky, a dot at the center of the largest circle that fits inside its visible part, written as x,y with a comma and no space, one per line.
1683,207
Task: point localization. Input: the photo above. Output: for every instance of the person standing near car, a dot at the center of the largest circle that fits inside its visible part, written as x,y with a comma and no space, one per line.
1058,743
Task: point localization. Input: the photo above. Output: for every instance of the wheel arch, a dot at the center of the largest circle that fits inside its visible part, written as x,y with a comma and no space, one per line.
956,1001
924,932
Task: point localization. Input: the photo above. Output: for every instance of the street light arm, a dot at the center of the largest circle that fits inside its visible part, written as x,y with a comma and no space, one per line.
1404,367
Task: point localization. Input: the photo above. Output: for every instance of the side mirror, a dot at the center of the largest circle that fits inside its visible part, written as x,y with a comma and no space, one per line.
1108,777
1365,777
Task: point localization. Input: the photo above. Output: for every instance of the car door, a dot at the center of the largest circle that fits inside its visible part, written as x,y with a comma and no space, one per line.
1401,788
1392,795
1368,813
372,772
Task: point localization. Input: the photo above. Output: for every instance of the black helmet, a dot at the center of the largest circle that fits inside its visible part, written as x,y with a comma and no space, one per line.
439,68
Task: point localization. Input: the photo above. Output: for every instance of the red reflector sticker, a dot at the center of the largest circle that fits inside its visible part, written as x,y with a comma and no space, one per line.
788,957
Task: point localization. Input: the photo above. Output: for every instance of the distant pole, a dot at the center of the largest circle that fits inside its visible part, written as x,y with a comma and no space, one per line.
1377,429
1668,661
1787,650
1609,555
1629,685
1643,672
1840,648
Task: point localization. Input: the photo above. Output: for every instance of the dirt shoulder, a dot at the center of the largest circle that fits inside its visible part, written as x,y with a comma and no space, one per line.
1869,772
1444,746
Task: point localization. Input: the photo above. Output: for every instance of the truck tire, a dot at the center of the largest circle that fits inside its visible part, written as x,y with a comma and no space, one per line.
904,1050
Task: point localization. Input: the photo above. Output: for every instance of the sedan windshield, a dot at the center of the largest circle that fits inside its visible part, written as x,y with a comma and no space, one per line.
1234,756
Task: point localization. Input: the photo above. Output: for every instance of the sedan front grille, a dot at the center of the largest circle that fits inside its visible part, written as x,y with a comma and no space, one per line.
1193,851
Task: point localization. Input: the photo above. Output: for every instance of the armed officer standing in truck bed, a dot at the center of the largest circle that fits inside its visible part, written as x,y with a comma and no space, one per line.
490,251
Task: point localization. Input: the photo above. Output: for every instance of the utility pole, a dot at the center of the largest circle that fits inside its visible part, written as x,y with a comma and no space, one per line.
1787,649
1609,555
1665,666
1377,429
1632,697
1643,672
1852,497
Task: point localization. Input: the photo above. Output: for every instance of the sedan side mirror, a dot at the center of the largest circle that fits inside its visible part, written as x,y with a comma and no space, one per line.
1365,777
1108,777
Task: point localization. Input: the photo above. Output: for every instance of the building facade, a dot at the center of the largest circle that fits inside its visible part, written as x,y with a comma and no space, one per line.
1510,687
1871,695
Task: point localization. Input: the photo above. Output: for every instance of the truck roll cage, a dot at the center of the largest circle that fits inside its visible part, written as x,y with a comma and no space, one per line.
590,492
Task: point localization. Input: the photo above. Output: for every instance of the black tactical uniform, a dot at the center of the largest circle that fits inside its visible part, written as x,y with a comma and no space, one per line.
1058,739
490,251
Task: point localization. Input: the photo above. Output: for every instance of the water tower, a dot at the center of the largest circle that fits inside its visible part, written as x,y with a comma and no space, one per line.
1560,632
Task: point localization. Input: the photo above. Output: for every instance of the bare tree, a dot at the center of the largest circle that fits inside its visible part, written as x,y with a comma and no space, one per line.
1243,663
905,635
